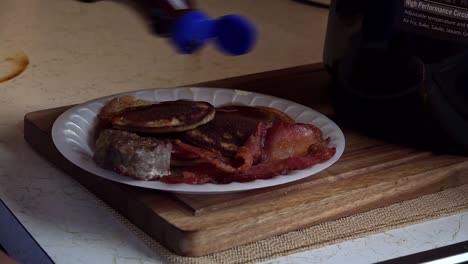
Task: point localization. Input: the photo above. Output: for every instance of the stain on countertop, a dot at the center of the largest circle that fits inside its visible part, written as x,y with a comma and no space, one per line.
13,65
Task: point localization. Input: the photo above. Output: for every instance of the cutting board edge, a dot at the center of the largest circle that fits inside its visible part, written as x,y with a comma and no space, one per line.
195,243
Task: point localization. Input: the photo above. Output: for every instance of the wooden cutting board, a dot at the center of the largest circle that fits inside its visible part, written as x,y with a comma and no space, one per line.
370,174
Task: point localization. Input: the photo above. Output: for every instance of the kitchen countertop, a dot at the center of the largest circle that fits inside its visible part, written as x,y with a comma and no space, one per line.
78,52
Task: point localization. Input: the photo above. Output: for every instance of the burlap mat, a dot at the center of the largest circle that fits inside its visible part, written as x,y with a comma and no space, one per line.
413,211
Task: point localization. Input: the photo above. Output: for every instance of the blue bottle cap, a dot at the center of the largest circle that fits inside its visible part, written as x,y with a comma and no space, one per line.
191,31
233,34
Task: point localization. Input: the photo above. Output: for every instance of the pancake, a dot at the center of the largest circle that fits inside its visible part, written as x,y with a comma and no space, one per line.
135,115
164,117
118,104
232,126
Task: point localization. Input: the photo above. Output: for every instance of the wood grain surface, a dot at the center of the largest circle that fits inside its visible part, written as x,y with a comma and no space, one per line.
370,174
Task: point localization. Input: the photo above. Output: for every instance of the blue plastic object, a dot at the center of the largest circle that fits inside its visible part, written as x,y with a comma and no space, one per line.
233,34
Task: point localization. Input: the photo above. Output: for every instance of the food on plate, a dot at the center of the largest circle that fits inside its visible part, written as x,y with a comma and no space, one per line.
118,104
269,164
232,126
131,114
245,157
193,142
286,140
143,158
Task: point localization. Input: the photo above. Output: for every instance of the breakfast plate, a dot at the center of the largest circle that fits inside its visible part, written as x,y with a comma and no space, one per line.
72,134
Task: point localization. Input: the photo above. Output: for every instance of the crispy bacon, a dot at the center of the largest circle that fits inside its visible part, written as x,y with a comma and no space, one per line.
251,151
183,158
198,174
207,173
247,155
266,170
284,147
286,140
215,158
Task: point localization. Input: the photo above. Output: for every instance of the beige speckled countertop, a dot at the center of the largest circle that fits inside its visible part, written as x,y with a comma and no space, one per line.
81,51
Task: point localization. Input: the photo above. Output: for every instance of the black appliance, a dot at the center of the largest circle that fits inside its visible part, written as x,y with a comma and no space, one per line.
400,70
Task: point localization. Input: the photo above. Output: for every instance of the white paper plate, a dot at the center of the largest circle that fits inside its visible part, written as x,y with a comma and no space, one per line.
71,135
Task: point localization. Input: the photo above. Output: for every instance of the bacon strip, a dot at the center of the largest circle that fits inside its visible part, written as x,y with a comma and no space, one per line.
216,159
246,156
289,140
251,151
267,170
269,152
207,173
182,158
198,174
